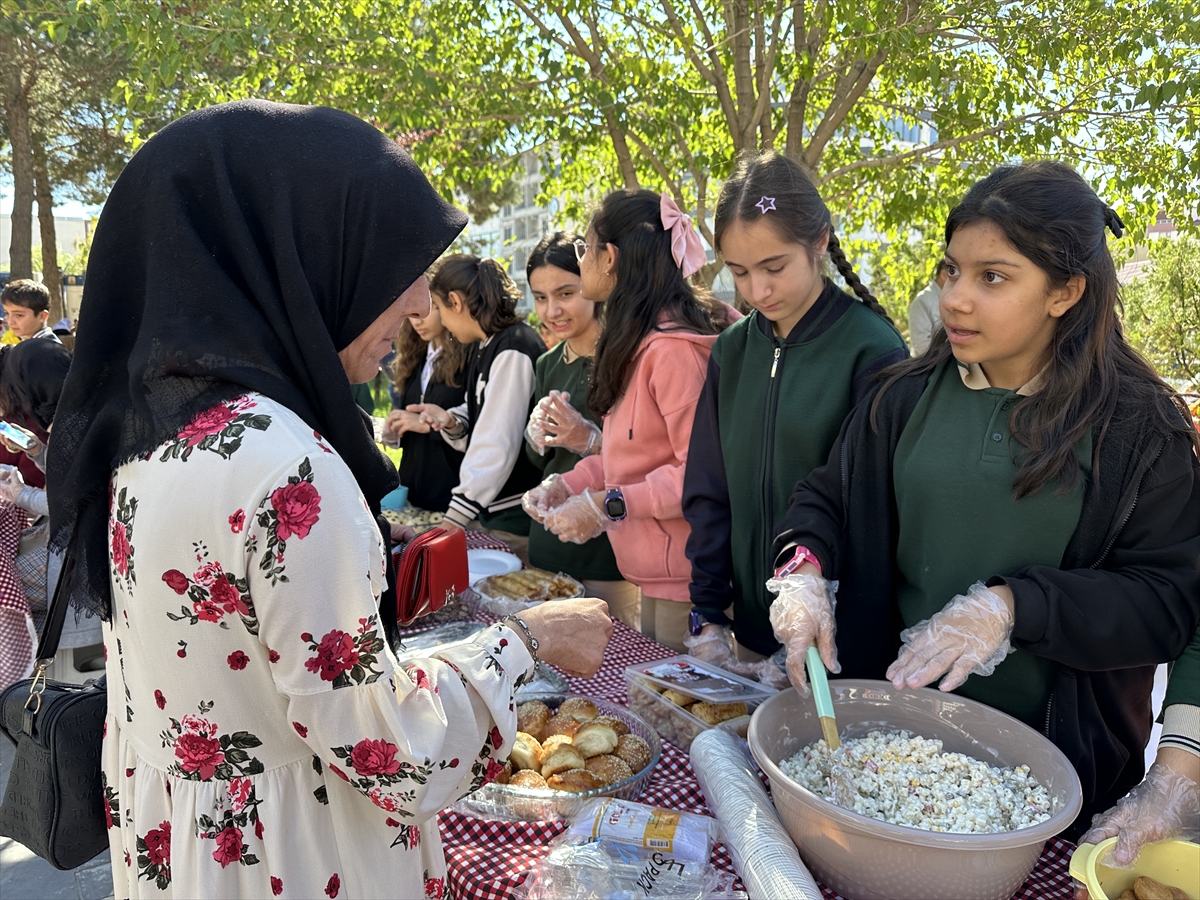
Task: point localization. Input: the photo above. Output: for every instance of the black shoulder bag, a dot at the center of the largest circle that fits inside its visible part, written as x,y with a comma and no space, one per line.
54,800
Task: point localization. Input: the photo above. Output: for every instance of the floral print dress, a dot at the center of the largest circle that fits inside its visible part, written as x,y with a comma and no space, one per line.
261,739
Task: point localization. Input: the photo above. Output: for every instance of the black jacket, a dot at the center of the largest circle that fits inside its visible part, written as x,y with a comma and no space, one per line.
1126,598
429,466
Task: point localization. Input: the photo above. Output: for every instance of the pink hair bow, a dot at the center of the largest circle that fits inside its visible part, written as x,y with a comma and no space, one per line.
686,246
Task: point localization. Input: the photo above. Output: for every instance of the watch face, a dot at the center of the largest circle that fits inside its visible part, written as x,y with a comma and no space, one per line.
615,507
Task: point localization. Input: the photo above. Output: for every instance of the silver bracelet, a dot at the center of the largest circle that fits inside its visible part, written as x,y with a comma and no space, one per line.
530,641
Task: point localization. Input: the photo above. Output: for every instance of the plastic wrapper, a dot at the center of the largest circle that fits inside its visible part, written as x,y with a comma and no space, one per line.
435,640
11,483
551,493
714,644
771,671
803,615
683,835
513,592
599,870
970,636
578,520
1165,806
761,849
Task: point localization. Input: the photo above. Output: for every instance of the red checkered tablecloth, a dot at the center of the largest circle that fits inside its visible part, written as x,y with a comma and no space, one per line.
487,860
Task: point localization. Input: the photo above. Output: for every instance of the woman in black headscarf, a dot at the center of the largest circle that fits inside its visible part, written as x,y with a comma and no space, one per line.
213,488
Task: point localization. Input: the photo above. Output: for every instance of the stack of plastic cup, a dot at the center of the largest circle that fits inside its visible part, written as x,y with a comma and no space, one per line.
762,851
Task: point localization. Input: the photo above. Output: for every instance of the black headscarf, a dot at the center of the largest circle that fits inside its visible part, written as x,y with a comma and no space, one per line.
242,247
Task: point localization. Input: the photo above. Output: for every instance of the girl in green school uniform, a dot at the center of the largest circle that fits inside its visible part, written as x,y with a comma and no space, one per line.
780,383
1017,511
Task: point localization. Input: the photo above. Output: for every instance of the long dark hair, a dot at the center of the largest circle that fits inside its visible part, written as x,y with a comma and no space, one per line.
31,380
557,250
1050,215
410,353
799,214
489,293
649,285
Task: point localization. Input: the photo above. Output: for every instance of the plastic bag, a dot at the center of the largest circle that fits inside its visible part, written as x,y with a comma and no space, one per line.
679,834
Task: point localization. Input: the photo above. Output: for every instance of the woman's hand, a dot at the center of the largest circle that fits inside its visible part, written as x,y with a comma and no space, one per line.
433,416
571,634
402,534
400,421
567,428
802,615
538,502
11,483
34,451
580,519
968,637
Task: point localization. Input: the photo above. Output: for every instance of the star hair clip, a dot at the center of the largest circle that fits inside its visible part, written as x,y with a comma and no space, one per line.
762,204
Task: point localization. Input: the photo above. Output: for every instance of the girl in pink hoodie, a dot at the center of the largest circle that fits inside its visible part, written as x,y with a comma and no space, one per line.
649,370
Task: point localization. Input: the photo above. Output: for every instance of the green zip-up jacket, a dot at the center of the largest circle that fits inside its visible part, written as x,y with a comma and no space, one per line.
770,410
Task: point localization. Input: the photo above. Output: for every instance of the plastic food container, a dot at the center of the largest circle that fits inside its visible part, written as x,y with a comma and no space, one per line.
673,723
514,804
865,859
1174,863
699,679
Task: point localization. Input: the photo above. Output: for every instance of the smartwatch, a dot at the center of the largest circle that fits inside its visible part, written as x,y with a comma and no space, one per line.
695,622
614,504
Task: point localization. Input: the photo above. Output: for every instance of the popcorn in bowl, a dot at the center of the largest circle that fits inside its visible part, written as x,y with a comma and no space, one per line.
905,779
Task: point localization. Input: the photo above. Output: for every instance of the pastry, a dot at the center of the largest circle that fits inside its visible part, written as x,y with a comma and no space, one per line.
505,774
616,724
532,718
526,752
712,713
576,781
612,769
594,739
679,699
562,724
527,778
634,750
553,741
580,708
561,758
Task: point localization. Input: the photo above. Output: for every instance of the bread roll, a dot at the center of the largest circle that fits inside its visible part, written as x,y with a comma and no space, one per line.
712,713
526,752
616,724
527,778
562,724
576,781
594,739
532,718
679,699
553,741
561,758
579,708
612,769
634,750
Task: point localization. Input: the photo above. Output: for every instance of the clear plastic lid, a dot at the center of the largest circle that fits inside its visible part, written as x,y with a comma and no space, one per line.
698,679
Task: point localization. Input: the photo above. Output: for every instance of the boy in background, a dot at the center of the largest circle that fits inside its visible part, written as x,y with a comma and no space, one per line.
27,307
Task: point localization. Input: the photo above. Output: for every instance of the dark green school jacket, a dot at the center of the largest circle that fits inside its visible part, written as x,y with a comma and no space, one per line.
770,410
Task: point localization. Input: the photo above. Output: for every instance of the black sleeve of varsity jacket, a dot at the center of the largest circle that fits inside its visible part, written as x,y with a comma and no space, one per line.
815,515
706,508
1142,607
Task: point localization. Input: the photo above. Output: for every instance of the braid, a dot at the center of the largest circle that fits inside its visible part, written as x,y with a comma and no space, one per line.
838,256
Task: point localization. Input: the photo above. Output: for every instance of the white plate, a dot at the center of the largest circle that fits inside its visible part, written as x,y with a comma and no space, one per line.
482,563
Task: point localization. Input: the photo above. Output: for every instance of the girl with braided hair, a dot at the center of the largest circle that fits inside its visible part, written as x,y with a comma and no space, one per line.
787,374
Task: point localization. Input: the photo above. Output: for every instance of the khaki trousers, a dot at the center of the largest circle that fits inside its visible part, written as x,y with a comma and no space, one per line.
666,621
624,600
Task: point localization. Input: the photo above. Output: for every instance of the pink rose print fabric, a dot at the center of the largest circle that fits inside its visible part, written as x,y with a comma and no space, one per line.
266,722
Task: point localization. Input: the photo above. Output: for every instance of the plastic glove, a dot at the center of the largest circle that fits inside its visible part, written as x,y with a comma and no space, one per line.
11,483
802,615
551,493
579,520
568,428
968,637
535,429
771,671
714,644
1165,806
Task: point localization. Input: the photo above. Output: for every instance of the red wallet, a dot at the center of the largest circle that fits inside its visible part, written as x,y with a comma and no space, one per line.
432,570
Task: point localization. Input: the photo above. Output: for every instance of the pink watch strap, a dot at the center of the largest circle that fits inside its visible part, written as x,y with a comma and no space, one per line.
799,558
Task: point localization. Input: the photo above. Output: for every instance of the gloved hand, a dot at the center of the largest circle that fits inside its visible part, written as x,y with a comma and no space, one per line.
714,644
11,483
968,637
801,615
566,426
578,520
535,429
1163,807
551,493
771,671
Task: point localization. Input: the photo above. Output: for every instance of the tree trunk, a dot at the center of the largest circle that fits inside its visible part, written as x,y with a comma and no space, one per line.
16,113
51,276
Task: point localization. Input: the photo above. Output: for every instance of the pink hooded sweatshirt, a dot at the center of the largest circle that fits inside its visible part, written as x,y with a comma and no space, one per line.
645,449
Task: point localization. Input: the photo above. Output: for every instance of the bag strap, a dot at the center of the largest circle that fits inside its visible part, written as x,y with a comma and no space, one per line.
56,617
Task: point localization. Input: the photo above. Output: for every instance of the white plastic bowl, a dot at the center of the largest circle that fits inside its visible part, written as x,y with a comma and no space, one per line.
866,859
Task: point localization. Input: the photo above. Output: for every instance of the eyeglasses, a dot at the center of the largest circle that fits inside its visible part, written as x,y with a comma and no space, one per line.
581,248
